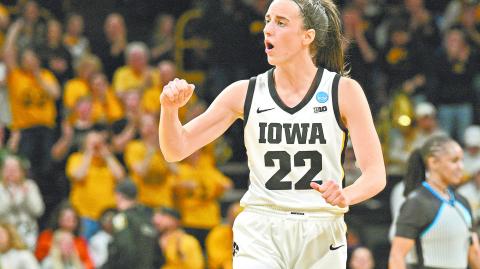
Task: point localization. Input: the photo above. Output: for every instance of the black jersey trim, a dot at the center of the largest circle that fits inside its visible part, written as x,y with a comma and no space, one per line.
248,99
344,149
306,98
335,103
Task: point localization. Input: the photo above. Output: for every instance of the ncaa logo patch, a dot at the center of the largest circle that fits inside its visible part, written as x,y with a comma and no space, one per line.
322,97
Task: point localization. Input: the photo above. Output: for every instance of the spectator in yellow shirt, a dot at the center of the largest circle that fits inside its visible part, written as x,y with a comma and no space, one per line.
106,106
32,92
219,241
150,103
177,249
127,128
93,172
136,74
78,86
150,172
4,22
73,134
167,72
198,186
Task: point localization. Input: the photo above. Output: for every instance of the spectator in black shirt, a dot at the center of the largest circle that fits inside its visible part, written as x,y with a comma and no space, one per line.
454,69
54,55
111,51
402,62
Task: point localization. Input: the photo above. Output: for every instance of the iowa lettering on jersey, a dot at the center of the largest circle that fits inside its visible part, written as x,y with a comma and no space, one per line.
292,133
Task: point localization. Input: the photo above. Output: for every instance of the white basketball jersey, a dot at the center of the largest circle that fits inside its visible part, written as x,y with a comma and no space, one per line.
288,147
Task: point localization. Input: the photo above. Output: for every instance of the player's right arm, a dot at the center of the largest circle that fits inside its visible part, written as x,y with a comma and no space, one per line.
178,141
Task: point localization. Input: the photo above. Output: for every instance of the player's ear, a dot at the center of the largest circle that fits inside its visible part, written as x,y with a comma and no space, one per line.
308,37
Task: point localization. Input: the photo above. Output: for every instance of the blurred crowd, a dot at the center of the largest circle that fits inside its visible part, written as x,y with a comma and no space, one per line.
83,183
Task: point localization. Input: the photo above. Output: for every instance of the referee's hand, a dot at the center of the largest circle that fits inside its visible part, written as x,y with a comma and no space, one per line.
332,193
176,93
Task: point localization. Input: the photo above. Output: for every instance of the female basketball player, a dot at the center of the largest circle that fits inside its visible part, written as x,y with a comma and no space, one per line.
433,229
296,118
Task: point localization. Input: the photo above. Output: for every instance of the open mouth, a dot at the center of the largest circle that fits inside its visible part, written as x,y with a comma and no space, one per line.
268,46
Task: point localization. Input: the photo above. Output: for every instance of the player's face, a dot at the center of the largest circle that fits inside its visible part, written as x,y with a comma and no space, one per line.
284,31
448,164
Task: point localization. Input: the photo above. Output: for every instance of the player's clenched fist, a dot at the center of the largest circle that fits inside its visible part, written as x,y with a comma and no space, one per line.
332,193
176,93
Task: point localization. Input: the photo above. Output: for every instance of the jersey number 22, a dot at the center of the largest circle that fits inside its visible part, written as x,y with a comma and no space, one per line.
285,163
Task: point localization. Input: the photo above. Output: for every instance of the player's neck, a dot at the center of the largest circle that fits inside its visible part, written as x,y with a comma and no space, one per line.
295,75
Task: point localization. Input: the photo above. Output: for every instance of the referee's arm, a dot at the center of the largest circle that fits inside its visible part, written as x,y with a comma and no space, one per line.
400,248
474,253
410,221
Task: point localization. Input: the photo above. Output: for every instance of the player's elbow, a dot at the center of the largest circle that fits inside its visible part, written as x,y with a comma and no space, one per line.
171,157
381,177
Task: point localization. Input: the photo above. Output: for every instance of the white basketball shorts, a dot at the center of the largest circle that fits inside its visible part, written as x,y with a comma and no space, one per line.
267,238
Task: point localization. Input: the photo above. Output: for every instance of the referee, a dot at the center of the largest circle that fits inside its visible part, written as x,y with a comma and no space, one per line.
434,227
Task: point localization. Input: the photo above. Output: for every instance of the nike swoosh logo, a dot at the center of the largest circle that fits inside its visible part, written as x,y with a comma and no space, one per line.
264,110
335,248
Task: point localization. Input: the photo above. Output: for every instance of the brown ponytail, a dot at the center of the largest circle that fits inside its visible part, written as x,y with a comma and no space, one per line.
324,17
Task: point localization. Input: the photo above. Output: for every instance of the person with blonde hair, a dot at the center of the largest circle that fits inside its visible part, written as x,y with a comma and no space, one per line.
63,254
77,87
20,199
13,252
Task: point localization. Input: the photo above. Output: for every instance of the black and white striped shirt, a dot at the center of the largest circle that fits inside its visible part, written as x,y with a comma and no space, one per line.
440,228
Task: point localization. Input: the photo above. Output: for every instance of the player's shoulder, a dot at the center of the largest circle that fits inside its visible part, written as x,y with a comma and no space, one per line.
349,84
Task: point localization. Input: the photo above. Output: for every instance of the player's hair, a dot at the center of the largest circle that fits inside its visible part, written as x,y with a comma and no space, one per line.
417,162
324,17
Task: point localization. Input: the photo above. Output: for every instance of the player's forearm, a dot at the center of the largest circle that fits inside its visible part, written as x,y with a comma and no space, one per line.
171,135
370,183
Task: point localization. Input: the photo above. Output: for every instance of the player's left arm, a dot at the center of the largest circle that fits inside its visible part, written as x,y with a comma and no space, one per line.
356,116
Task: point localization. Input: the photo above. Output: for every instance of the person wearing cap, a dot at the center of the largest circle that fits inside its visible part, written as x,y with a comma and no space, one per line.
426,125
133,240
175,248
472,150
